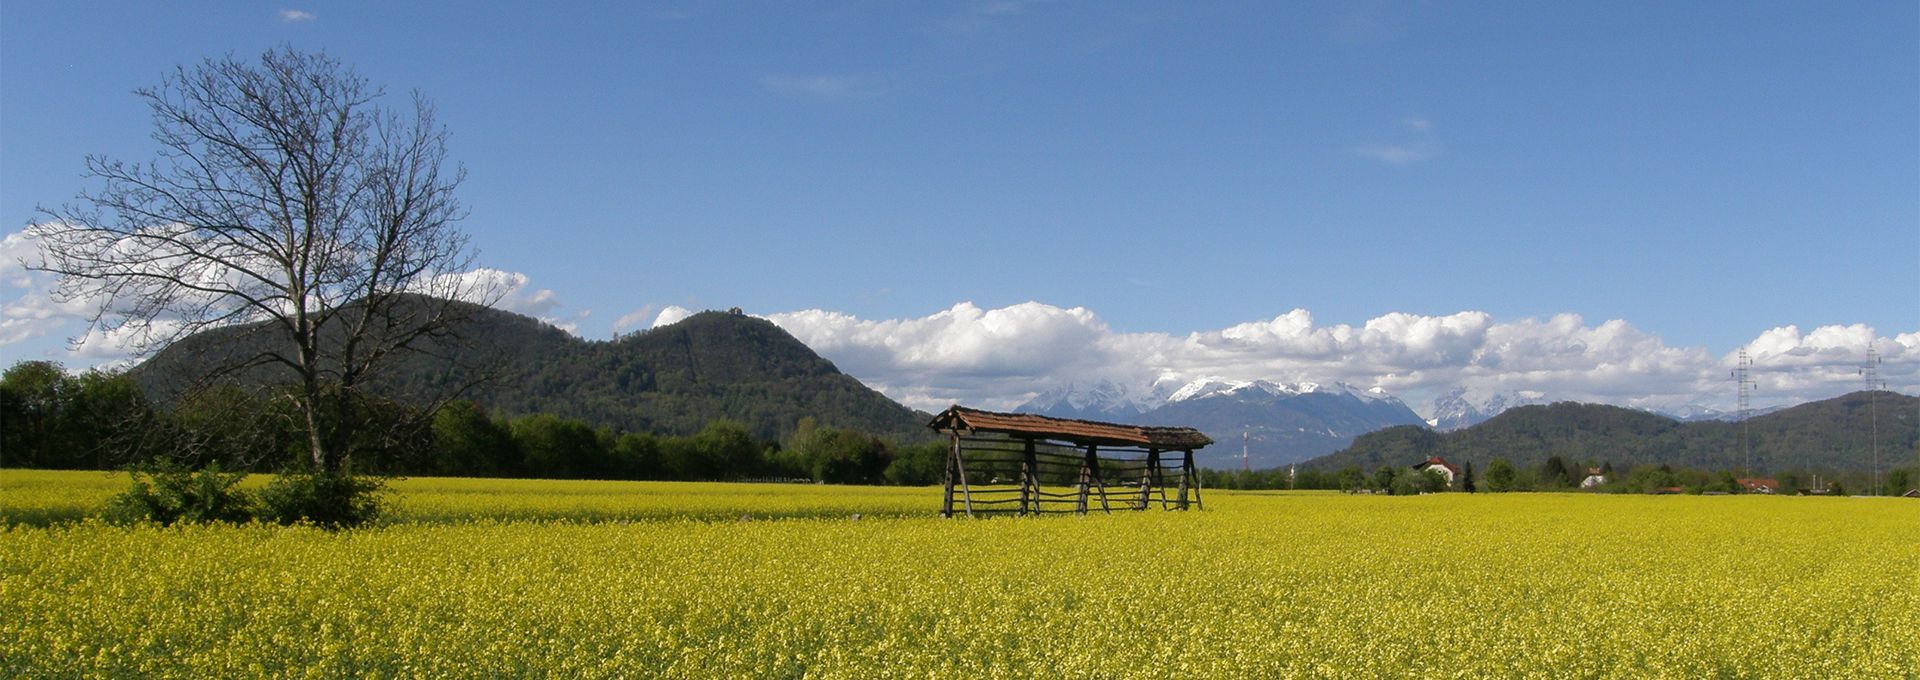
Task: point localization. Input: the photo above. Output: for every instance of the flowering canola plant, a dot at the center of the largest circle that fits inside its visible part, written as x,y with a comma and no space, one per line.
1257,585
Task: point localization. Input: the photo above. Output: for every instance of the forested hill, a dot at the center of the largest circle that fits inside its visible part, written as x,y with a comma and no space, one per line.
1833,434
672,380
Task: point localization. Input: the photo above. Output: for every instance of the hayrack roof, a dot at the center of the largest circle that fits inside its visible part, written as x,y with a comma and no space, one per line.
961,418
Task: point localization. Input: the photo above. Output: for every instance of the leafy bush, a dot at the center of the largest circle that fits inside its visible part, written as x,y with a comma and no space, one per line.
168,494
329,500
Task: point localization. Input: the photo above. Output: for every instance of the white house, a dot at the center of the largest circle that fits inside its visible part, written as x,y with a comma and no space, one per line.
1440,465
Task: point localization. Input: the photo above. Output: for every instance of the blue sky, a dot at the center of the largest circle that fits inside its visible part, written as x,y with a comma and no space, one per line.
1707,174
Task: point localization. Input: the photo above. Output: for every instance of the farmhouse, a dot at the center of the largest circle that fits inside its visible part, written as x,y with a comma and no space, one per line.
1440,465
1758,485
1004,462
1594,478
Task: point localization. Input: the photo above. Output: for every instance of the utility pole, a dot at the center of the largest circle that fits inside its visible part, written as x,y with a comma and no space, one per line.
1742,378
1871,373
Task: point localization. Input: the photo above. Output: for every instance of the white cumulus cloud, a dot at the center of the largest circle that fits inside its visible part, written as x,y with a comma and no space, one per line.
633,320
998,358
510,291
673,314
31,306
1829,358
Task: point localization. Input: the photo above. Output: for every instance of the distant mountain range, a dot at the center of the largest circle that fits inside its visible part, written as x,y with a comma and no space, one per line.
1285,424
1829,435
1280,423
1463,408
677,378
671,380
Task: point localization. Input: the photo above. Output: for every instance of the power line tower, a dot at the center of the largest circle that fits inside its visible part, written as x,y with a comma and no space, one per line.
1742,378
1870,373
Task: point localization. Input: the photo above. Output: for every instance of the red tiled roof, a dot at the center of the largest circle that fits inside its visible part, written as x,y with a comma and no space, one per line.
1080,431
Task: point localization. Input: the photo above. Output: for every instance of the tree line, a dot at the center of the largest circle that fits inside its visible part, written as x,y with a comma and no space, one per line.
1831,437
1558,474
101,420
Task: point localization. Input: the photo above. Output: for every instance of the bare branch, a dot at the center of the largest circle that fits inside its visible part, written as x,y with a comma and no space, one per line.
282,193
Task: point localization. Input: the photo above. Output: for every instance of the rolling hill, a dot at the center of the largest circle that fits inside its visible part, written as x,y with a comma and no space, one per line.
672,380
1832,434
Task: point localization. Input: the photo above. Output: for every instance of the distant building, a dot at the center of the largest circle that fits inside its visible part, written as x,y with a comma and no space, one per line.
1911,493
1440,465
1594,478
1758,485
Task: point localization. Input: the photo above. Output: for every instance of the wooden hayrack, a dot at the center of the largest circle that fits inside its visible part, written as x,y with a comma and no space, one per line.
1005,462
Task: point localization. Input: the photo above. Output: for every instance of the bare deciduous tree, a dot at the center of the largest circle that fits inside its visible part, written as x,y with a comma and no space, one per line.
284,198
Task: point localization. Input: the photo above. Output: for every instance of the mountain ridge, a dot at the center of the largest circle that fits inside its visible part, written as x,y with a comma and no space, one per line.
1830,434
1281,423
673,379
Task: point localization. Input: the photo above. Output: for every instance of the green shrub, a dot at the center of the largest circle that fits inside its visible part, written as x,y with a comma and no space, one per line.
167,493
329,500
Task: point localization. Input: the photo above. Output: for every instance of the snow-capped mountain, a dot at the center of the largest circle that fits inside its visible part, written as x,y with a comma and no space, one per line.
1216,386
1465,408
1281,423
1693,412
1462,408
1697,412
1096,400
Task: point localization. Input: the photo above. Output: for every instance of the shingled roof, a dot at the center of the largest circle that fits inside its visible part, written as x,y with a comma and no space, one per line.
1066,429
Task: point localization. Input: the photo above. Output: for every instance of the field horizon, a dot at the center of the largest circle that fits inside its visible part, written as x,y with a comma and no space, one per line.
1259,584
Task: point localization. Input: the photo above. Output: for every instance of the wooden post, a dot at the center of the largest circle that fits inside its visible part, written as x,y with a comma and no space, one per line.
1194,474
1028,490
1186,477
1160,485
1029,481
1146,480
1093,458
946,475
960,466
1086,480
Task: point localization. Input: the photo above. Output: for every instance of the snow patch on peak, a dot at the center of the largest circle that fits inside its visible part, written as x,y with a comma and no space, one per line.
1370,394
1465,407
1100,397
1206,387
1215,386
1117,399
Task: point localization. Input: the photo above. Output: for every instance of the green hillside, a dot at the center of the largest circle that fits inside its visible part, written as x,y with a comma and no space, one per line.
672,380
1833,434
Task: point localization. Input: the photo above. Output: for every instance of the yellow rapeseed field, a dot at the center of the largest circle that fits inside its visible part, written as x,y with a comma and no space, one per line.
1258,585
40,497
